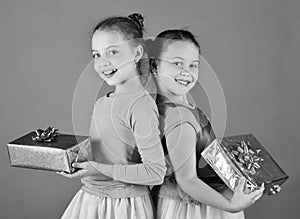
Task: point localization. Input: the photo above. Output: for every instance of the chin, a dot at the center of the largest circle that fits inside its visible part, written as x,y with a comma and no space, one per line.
182,91
110,83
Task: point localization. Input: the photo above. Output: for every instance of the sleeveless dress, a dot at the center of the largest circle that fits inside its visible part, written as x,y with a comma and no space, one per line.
124,132
172,202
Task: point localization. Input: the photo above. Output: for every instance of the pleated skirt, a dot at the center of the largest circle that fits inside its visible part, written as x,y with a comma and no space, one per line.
87,206
175,209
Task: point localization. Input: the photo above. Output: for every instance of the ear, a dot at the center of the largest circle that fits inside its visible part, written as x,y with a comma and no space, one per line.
139,51
153,65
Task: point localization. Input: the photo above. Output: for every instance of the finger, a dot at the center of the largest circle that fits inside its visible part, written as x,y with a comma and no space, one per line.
80,165
257,193
79,173
65,174
258,196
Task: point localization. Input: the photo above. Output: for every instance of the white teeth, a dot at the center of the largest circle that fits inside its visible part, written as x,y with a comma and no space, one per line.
109,72
182,82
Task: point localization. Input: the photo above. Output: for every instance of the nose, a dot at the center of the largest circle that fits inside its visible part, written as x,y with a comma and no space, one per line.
104,62
100,64
185,73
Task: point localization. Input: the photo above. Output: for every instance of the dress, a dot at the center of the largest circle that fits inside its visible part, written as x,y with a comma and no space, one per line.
124,132
172,202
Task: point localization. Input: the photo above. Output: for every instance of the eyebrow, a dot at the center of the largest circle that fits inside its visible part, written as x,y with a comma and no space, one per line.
93,50
177,57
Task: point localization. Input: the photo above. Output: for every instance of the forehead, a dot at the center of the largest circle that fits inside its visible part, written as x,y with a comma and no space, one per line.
102,39
183,49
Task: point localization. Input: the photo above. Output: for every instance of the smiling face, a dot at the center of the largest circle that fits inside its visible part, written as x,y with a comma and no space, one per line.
114,57
178,68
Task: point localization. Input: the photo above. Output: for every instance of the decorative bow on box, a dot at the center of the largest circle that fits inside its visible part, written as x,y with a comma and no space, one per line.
47,135
247,158
49,150
239,156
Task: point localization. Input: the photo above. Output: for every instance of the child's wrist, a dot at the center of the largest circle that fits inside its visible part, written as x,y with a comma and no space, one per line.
230,206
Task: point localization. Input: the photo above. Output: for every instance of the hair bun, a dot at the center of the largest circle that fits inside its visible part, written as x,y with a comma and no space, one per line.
138,19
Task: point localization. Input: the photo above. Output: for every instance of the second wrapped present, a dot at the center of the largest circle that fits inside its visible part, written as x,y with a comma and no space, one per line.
243,156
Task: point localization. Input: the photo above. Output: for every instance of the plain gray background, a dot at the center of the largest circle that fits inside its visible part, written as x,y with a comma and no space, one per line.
251,44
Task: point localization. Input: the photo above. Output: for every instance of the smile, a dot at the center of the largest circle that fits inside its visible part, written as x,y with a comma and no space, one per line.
183,82
109,73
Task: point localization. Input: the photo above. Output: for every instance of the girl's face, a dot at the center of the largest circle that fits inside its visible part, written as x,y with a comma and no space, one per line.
178,67
113,57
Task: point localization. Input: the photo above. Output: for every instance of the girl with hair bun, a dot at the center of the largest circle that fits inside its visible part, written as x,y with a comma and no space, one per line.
127,151
191,189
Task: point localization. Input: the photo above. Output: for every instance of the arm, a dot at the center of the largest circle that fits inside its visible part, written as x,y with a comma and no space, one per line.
142,119
181,146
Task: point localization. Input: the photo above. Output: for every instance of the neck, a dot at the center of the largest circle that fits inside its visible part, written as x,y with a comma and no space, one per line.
171,96
129,85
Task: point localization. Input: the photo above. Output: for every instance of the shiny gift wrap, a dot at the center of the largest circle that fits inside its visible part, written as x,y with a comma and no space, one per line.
243,156
57,155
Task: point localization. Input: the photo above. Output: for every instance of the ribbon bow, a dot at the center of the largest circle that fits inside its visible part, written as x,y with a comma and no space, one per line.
45,135
246,157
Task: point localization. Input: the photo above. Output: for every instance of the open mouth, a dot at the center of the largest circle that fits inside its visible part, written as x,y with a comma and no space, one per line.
109,73
183,82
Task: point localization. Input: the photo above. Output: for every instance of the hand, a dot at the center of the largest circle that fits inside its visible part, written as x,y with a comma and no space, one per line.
241,200
85,169
227,193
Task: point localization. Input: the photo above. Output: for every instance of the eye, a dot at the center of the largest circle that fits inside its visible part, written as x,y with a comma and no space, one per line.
195,65
178,64
96,55
112,52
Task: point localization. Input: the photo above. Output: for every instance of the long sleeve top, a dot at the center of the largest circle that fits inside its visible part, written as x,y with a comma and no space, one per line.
124,132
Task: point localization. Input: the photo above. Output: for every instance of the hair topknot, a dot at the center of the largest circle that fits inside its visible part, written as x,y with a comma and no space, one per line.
132,26
138,19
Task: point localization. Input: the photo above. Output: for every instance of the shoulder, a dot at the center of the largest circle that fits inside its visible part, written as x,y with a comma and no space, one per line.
99,102
174,116
143,102
179,113
143,112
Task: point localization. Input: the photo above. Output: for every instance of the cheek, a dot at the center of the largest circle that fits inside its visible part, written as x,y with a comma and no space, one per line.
95,63
165,72
196,76
121,61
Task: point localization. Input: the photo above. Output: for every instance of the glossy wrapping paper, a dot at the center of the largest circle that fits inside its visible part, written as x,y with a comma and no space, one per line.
57,155
242,155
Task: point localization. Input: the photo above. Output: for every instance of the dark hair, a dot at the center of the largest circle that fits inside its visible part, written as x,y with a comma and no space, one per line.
130,27
166,37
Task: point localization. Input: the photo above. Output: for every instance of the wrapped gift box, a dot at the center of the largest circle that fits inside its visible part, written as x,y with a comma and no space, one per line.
242,155
57,155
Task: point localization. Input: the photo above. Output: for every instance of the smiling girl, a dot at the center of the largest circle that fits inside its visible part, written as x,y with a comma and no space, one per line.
127,152
191,189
